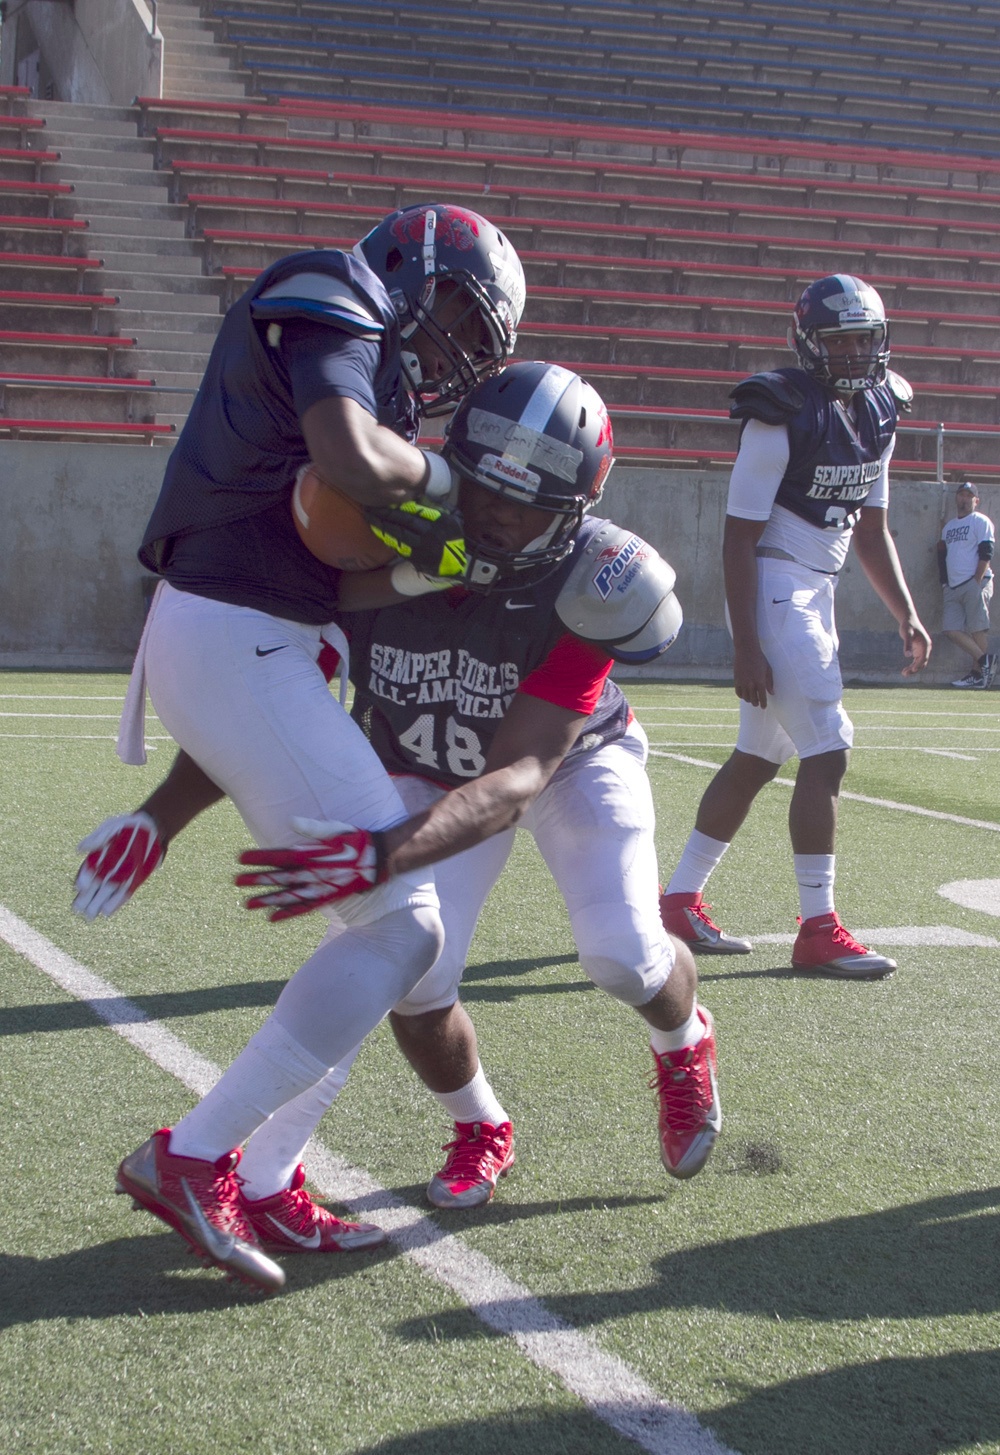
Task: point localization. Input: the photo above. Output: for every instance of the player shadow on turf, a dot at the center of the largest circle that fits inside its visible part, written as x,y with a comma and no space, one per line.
142,1276
929,1260
500,1213
781,971
919,1405
135,1277
165,1005
933,1259
474,988
496,1427
20,1020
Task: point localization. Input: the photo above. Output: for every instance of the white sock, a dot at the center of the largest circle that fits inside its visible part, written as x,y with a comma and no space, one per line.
815,874
474,1102
689,1034
276,1149
701,855
272,1070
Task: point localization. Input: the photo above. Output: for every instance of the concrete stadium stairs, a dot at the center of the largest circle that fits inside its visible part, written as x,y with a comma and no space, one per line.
662,255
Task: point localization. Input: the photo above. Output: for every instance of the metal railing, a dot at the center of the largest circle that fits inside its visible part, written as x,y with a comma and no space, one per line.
939,431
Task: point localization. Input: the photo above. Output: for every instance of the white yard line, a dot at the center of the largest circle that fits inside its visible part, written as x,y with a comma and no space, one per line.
945,936
48,716
869,728
674,709
969,823
607,1386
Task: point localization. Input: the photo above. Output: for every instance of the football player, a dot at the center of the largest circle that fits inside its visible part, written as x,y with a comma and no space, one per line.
492,705
811,474
333,357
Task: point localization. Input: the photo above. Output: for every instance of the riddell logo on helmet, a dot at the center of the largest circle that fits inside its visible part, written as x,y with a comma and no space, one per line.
615,561
505,469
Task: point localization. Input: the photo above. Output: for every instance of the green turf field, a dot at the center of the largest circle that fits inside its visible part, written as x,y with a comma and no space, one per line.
830,1283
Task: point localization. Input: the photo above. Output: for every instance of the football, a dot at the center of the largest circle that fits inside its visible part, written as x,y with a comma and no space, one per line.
333,527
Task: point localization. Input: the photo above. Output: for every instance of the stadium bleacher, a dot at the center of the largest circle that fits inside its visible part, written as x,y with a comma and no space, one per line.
671,176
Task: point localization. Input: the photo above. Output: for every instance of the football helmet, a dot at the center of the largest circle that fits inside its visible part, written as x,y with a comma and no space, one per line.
414,251
539,435
841,304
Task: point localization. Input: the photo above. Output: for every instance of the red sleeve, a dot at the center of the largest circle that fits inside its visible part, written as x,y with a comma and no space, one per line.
571,676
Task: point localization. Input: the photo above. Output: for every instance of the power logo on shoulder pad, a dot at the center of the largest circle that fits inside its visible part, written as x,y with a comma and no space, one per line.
613,563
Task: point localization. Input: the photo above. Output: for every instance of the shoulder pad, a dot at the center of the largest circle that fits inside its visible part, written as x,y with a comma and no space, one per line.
772,398
902,389
619,594
322,298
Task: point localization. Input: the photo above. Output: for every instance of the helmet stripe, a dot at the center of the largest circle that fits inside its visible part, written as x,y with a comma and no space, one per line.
545,396
430,249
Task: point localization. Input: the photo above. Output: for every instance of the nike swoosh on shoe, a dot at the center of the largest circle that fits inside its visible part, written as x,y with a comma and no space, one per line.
217,1244
313,1239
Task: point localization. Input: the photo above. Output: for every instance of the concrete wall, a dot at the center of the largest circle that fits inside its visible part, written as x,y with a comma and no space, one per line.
97,52
682,514
70,586
72,591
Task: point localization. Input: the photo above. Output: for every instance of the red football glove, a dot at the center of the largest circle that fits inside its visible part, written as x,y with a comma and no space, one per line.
121,855
342,861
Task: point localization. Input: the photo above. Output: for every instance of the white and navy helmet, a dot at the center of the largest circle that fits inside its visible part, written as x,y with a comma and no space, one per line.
418,247
834,305
540,435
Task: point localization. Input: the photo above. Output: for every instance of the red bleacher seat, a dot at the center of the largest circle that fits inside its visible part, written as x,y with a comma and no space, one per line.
14,157
18,298
70,343
28,263
21,125
671,142
599,210
47,191
58,228
74,428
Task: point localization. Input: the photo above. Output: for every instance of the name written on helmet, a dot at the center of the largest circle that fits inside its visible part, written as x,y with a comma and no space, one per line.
851,306
616,566
520,443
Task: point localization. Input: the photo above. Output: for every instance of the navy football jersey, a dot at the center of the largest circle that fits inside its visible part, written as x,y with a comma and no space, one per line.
434,678
834,462
222,526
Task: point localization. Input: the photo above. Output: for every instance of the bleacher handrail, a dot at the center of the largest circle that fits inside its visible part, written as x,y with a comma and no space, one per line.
360,113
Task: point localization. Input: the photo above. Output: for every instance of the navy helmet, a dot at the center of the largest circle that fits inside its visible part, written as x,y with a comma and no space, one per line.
416,250
540,435
841,304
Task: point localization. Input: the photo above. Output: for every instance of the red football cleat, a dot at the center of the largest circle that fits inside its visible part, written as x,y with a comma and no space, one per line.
479,1155
684,916
291,1221
690,1114
201,1201
824,947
